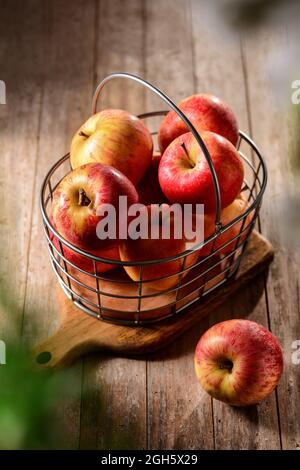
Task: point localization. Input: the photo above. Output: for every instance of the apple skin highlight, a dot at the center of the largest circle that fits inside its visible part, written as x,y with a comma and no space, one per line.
185,177
76,220
206,112
105,138
238,362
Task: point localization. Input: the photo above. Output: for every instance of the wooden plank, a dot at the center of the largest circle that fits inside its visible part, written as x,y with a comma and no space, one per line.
174,419
67,70
114,412
219,69
256,427
20,68
277,138
148,46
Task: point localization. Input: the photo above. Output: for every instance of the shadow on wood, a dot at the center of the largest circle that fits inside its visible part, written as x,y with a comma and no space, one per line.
79,333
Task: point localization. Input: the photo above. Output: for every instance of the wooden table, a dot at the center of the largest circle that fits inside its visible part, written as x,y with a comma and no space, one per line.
52,55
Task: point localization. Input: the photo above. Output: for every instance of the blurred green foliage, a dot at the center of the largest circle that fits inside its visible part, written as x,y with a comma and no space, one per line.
32,398
29,400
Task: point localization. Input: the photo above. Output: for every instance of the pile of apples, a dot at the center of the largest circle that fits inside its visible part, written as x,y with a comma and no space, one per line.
112,155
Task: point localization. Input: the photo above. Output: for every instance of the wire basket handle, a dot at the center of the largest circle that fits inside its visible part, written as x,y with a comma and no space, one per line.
175,108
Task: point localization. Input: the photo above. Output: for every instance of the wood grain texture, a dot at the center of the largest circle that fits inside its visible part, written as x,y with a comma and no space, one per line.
52,54
67,89
255,426
220,69
113,412
277,137
21,59
79,333
174,419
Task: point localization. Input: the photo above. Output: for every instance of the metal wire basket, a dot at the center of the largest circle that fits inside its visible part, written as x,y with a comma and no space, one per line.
112,296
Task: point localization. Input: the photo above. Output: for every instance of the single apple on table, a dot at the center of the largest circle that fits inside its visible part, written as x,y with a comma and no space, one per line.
149,190
185,177
117,138
206,112
78,198
238,362
148,249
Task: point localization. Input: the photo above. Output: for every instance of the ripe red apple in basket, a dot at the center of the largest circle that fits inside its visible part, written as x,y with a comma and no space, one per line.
206,113
114,137
184,174
239,362
237,208
155,249
80,197
83,262
149,190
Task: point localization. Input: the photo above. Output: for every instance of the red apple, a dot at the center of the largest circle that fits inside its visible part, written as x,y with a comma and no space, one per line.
185,177
239,362
208,225
78,198
117,138
156,249
206,113
149,190
231,212
83,262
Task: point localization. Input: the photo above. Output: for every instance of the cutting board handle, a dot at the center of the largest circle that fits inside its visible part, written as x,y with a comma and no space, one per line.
65,346
77,335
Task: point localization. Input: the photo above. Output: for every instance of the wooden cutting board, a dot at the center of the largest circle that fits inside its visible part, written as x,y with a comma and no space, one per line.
80,333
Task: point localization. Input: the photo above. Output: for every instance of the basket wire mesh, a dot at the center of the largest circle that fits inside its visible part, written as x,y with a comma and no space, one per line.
112,296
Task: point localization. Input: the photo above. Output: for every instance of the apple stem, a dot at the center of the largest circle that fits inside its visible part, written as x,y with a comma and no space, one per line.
82,134
187,155
83,199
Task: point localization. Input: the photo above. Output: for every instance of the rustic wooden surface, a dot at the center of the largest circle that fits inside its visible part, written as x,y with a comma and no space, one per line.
52,54
78,334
